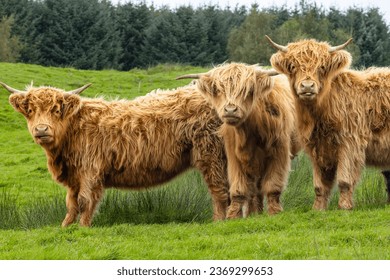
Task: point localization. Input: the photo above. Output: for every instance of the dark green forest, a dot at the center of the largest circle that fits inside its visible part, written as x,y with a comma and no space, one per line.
95,34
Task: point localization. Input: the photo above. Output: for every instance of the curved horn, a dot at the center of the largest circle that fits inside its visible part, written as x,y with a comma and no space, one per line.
12,90
269,72
79,90
340,47
190,76
276,46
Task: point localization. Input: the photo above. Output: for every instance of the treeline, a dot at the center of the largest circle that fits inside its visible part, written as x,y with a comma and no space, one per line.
95,34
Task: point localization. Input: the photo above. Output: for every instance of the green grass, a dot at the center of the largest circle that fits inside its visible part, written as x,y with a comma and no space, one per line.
173,221
290,235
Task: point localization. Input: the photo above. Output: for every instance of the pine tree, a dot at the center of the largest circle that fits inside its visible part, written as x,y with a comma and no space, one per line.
132,21
78,33
372,38
9,45
164,39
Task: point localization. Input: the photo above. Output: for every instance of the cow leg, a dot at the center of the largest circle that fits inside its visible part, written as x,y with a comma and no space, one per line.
275,178
89,197
215,178
210,160
257,201
323,179
386,174
348,174
242,190
72,207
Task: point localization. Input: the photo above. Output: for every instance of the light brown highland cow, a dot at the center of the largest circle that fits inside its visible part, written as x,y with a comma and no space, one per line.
258,129
343,115
92,144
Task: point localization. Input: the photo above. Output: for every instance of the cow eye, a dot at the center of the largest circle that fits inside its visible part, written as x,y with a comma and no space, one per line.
323,69
56,110
291,67
215,91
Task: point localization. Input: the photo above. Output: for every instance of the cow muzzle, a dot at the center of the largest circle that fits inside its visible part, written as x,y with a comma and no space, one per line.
231,115
43,134
307,89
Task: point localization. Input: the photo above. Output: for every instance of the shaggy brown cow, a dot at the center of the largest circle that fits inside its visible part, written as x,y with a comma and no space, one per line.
343,115
258,115
92,144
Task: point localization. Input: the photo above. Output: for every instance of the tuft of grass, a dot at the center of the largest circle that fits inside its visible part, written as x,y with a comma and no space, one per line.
183,200
10,216
299,193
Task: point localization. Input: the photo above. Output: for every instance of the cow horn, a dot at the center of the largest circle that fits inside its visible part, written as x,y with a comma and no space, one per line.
272,72
191,76
12,90
269,72
276,46
79,90
340,47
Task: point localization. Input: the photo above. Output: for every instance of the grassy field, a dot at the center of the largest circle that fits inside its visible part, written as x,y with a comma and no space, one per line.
172,221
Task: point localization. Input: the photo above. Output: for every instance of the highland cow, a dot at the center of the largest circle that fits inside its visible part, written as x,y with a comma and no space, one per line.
258,129
343,115
93,144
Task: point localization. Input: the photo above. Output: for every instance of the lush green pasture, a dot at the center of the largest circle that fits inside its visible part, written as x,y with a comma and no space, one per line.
173,221
360,234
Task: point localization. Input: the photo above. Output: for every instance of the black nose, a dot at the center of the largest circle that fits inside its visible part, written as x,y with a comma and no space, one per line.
41,128
230,109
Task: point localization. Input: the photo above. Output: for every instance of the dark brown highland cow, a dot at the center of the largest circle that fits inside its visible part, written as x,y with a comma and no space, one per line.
92,144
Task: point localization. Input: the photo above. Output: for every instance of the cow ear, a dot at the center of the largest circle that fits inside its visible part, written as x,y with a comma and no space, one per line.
279,63
264,83
71,104
206,86
340,60
20,102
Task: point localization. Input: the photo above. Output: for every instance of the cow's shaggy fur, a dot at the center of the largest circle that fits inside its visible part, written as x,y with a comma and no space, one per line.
92,144
258,131
343,115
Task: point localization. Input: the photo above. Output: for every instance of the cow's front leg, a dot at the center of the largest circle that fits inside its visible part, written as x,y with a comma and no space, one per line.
242,190
213,168
349,169
323,179
91,192
276,176
257,202
72,206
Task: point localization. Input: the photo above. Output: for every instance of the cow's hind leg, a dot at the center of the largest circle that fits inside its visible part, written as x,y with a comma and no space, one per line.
72,207
386,174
